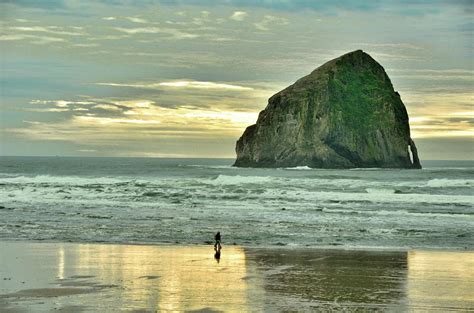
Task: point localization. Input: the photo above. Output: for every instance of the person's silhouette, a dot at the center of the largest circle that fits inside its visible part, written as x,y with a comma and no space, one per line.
217,237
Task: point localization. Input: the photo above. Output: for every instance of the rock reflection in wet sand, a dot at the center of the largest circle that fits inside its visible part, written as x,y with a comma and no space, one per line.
188,278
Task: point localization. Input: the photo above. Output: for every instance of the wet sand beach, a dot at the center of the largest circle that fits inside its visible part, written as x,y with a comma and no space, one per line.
73,277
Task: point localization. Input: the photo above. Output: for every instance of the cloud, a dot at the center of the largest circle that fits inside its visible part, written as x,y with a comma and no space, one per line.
46,110
102,107
172,32
203,85
60,103
38,40
146,125
451,118
107,107
140,124
197,94
179,59
390,45
447,131
101,121
396,56
136,20
239,16
56,30
46,4
40,35
422,102
418,8
464,114
215,77
86,45
437,71
434,74
270,20
107,120
86,150
139,30
133,19
182,84
433,126
437,77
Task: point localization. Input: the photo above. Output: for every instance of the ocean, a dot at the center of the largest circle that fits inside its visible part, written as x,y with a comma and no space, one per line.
185,201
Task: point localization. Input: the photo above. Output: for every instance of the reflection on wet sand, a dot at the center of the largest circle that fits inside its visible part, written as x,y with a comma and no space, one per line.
440,280
355,280
170,278
332,279
94,277
116,277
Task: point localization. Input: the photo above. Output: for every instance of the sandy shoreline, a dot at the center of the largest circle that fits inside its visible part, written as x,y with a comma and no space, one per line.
76,277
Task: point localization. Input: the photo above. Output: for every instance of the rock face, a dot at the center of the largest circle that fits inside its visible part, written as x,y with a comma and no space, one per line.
344,114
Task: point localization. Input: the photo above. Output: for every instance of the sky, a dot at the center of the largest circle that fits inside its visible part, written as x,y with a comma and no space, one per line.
178,78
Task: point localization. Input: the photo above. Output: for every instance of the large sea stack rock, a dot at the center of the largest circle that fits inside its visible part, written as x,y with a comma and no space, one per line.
344,114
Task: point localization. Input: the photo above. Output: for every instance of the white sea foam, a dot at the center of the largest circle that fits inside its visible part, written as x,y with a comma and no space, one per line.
240,180
380,190
168,203
394,212
298,168
378,197
444,182
59,180
367,169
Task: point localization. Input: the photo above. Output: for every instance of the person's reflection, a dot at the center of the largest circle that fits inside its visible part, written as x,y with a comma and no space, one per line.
217,255
217,246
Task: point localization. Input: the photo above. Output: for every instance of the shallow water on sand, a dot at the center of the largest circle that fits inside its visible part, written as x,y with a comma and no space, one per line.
126,200
42,277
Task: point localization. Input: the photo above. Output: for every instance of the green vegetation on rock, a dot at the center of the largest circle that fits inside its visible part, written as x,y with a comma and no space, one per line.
344,114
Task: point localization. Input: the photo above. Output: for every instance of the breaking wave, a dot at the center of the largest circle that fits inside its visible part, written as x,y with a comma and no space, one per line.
444,182
299,168
382,190
183,201
60,180
240,180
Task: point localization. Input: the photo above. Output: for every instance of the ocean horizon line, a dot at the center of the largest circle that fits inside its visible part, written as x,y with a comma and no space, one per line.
177,157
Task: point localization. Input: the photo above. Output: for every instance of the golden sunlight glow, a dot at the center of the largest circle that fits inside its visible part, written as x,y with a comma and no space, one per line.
450,118
442,126
200,111
435,278
62,103
107,107
180,119
182,84
135,103
204,85
234,117
61,263
171,278
443,134
206,119
469,113
418,119
108,120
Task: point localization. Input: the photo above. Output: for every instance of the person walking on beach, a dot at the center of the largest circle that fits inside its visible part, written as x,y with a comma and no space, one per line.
217,237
